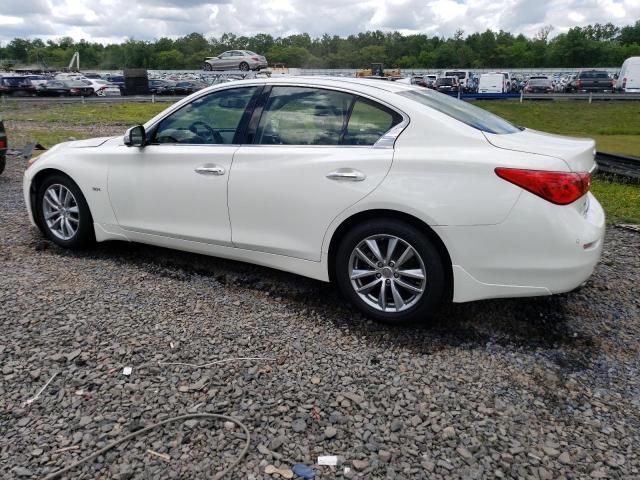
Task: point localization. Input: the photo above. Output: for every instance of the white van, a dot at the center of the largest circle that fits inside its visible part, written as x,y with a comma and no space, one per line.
492,83
629,78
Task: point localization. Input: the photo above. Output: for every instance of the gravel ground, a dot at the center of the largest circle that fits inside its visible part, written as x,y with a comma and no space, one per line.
535,388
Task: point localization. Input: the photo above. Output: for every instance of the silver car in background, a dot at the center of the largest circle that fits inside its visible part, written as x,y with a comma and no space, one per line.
243,60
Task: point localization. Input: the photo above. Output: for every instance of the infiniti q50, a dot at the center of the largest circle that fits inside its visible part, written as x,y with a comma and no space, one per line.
403,197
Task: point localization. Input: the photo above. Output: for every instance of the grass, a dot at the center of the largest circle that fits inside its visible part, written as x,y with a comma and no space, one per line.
47,138
620,201
87,114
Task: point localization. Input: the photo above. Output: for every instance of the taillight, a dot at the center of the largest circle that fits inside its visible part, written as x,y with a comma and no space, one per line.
561,188
3,143
578,83
255,58
624,83
74,90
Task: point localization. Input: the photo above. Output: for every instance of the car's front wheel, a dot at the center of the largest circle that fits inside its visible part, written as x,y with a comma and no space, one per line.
391,271
207,66
63,212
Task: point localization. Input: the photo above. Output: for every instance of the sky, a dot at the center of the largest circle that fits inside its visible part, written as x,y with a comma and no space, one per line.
111,21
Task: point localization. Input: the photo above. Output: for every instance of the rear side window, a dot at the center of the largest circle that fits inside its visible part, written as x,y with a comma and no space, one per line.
314,116
461,111
368,122
303,116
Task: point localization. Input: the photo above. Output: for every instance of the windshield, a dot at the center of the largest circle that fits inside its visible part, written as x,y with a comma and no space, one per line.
461,111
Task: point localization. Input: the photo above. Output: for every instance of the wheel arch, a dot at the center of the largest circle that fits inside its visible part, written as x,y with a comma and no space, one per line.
359,217
37,179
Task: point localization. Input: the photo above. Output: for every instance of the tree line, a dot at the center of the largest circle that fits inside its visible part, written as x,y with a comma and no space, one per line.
591,46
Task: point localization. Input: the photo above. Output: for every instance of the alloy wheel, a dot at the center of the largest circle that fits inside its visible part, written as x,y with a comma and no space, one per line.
387,273
61,211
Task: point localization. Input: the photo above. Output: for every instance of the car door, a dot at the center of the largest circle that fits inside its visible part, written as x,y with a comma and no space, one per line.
313,153
176,186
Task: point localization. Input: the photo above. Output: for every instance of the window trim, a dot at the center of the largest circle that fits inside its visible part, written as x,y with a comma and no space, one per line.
386,141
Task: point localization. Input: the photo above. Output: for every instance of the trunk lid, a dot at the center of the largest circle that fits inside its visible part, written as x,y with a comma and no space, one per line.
577,153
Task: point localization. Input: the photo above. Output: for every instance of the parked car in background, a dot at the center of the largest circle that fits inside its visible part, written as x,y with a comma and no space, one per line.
628,80
538,85
465,79
492,83
430,80
38,80
447,84
102,88
78,88
93,76
54,88
161,87
19,86
508,82
442,200
187,88
591,81
118,80
244,60
3,146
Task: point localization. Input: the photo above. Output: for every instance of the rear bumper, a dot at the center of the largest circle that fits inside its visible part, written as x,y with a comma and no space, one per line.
540,249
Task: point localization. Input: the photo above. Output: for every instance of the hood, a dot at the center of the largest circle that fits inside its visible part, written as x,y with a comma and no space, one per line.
89,142
577,153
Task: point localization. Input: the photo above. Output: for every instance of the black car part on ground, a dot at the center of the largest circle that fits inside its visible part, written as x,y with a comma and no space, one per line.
618,165
3,147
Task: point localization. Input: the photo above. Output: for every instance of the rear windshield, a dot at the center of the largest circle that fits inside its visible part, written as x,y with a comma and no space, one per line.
536,82
445,81
461,111
594,75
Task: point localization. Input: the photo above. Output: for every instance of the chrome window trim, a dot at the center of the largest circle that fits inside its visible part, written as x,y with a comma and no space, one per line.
387,140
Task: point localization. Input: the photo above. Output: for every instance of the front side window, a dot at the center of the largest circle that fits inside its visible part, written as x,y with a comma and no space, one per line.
303,116
209,120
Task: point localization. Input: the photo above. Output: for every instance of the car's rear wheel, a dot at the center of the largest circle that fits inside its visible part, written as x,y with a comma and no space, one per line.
244,66
391,271
207,66
63,212
3,163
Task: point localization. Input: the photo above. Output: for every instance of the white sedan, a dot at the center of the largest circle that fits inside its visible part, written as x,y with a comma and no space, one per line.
404,197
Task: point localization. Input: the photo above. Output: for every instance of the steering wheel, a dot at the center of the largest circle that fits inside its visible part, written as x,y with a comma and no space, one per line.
212,133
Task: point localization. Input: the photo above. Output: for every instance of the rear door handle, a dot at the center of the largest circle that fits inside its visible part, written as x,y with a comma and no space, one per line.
210,170
348,174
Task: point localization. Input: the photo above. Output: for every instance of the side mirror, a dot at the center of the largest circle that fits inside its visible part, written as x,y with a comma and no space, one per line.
135,137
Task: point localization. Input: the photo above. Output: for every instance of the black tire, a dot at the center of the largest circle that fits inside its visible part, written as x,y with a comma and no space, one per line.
435,278
244,67
207,67
84,234
3,163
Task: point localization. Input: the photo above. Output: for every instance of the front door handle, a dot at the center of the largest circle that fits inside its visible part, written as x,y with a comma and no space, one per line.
348,174
210,170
